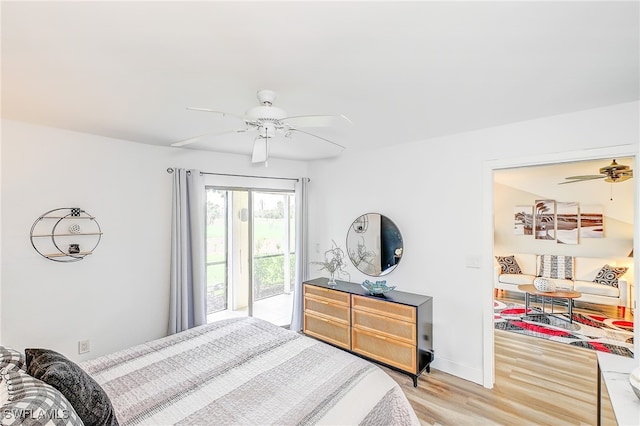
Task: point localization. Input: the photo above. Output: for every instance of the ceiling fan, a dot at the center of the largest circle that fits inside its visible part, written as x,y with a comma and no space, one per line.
612,173
268,121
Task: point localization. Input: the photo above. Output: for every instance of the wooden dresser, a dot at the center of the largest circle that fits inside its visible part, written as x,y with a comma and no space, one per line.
394,329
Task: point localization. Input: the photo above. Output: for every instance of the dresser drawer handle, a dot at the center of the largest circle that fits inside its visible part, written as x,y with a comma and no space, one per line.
323,302
323,319
380,337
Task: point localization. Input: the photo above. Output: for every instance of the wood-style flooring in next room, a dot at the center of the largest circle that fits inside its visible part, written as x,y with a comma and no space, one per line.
537,382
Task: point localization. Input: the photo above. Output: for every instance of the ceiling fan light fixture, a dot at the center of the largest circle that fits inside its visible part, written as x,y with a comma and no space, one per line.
617,178
263,112
267,130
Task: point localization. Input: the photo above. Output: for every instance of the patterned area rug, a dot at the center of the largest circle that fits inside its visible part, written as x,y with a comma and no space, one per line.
591,331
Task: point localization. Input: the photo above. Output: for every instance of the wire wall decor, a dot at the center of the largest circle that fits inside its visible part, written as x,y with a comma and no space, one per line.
67,234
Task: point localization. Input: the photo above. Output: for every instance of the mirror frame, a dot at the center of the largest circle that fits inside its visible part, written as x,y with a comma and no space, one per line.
363,227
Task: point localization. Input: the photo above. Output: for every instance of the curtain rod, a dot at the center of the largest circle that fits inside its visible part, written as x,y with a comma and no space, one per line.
170,170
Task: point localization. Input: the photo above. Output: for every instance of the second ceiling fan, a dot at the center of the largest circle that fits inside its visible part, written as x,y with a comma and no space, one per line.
268,121
612,173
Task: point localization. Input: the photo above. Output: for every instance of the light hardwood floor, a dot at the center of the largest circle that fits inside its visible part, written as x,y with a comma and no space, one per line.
537,382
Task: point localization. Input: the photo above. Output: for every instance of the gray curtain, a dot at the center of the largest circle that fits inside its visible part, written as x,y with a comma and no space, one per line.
188,298
301,252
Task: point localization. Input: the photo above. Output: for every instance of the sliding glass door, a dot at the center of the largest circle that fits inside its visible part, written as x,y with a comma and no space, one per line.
250,253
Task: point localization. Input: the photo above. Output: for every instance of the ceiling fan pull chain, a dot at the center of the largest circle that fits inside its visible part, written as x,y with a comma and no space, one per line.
611,193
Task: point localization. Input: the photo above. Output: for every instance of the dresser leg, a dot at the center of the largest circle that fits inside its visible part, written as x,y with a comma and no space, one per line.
415,381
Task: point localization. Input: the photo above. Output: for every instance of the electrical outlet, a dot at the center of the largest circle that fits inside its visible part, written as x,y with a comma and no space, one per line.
84,346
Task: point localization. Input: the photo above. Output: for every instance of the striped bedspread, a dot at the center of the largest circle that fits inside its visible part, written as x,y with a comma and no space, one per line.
245,371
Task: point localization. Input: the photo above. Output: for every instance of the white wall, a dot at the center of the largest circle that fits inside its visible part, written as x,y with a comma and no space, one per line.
118,296
433,191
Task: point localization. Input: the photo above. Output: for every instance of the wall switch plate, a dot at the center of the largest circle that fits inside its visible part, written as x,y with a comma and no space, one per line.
473,261
84,346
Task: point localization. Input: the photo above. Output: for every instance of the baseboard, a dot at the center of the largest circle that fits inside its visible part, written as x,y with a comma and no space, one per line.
455,369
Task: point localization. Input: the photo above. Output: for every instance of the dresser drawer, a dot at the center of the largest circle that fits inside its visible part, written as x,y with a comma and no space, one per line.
330,331
384,308
326,293
332,310
387,350
389,327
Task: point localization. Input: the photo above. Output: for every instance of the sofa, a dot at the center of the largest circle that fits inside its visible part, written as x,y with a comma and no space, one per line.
575,273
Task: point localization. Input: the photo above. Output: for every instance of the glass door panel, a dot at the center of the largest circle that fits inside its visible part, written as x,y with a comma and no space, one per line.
273,256
216,250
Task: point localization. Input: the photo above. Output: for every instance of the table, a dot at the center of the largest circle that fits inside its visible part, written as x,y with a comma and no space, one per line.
529,290
615,371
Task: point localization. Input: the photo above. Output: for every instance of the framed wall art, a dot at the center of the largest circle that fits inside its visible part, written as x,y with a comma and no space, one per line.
523,220
567,223
545,219
591,221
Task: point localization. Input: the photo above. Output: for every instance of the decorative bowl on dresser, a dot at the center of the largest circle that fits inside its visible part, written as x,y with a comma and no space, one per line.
394,329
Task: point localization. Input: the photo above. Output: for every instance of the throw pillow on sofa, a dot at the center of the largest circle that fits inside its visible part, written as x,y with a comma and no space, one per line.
508,264
609,275
558,267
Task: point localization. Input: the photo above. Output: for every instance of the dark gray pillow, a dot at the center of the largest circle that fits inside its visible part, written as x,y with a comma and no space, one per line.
85,395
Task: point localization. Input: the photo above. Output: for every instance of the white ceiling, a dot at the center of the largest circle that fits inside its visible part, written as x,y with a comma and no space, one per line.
401,71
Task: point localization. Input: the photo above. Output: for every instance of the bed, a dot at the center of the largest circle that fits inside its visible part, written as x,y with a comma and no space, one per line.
247,371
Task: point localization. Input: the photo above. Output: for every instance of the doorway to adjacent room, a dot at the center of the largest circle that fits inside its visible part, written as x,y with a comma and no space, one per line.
489,238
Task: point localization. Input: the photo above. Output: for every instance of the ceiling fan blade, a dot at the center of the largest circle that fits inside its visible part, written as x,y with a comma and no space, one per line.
260,150
224,114
316,120
194,139
586,177
189,141
319,137
581,179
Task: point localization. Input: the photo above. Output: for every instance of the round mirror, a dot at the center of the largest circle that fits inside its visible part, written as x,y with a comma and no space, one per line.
374,244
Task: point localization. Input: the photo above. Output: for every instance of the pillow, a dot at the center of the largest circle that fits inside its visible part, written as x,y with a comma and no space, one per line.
87,397
509,264
11,359
558,267
28,401
609,275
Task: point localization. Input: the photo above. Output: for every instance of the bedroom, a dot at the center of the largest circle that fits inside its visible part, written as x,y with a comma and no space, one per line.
125,285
